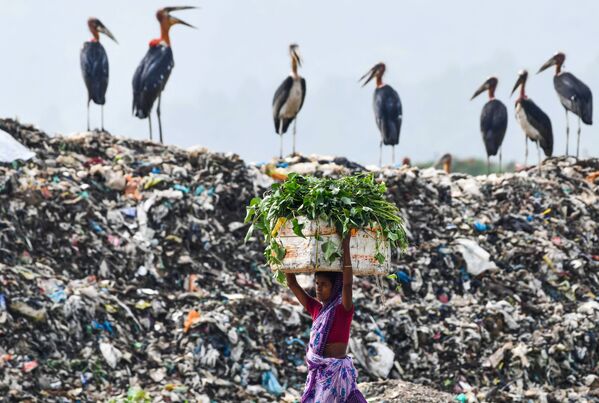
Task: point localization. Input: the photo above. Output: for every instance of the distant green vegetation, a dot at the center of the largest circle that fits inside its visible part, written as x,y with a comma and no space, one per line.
472,166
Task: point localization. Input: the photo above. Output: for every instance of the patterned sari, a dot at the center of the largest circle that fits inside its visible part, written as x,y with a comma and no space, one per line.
330,380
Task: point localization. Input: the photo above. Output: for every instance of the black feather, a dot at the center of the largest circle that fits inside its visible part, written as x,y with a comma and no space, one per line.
388,115
575,96
541,122
493,124
94,67
150,78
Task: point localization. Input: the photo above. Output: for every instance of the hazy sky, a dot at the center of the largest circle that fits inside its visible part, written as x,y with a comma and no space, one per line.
220,92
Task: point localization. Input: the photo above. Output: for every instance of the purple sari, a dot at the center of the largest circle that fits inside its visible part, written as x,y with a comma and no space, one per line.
330,380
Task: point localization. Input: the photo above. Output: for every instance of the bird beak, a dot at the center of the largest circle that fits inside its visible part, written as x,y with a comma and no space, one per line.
106,32
518,83
370,75
175,20
480,90
548,63
297,57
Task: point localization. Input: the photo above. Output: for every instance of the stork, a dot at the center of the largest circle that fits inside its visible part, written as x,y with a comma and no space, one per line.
573,94
153,72
493,120
289,98
387,110
94,66
534,122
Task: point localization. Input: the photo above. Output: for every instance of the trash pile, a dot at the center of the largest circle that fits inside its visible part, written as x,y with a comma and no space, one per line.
124,277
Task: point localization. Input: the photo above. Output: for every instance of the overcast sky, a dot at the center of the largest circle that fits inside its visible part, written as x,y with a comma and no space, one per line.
220,92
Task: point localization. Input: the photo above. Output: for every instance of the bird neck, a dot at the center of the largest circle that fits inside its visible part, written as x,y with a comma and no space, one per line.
379,81
164,33
523,91
558,69
491,92
96,35
447,166
294,67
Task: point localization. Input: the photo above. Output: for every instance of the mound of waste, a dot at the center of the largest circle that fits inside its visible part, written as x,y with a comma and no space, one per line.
124,275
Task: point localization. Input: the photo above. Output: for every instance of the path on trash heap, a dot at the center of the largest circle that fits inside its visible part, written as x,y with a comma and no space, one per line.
123,271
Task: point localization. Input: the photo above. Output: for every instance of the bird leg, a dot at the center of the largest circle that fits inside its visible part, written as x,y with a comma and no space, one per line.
393,155
578,140
159,121
488,166
150,122
500,170
381,154
294,129
281,139
525,151
567,131
102,115
88,115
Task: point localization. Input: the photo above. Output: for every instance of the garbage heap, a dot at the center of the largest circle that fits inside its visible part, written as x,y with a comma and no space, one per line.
124,275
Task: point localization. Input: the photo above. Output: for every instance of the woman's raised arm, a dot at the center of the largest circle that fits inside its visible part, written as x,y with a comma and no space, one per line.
348,275
297,290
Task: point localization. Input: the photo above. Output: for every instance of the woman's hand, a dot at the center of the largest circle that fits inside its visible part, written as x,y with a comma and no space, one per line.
290,277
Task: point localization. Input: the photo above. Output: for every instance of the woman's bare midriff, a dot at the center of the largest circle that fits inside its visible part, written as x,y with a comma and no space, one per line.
335,350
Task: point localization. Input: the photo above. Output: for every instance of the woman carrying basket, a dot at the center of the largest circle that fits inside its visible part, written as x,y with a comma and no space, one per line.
331,373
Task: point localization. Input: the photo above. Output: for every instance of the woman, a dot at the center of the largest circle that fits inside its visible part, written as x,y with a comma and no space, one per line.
331,373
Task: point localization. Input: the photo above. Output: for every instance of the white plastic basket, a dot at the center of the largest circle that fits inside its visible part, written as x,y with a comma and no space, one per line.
304,255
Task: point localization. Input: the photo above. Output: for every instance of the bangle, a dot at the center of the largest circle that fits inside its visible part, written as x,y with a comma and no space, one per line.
347,267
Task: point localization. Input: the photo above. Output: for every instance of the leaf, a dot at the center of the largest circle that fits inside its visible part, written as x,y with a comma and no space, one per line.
330,250
297,228
248,235
380,257
346,200
392,276
280,278
250,211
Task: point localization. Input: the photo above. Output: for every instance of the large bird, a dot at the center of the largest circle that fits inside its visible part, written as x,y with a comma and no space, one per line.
493,120
387,109
534,122
289,98
574,95
94,66
153,72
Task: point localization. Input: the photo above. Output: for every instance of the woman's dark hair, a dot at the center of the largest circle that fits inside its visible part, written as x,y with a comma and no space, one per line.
329,275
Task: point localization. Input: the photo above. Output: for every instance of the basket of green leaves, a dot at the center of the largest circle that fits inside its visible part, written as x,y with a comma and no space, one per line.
304,218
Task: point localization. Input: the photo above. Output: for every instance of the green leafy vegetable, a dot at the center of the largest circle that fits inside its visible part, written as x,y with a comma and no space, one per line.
351,202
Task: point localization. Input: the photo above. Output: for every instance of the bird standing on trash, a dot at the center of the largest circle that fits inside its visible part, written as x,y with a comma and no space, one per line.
289,98
493,120
94,66
573,94
154,70
387,110
535,123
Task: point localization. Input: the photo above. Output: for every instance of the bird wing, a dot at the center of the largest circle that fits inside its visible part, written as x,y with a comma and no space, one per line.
493,124
388,114
281,95
303,83
94,68
541,122
151,77
574,95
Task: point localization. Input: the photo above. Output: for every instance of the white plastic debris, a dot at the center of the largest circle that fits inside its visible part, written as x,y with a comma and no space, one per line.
11,149
477,259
